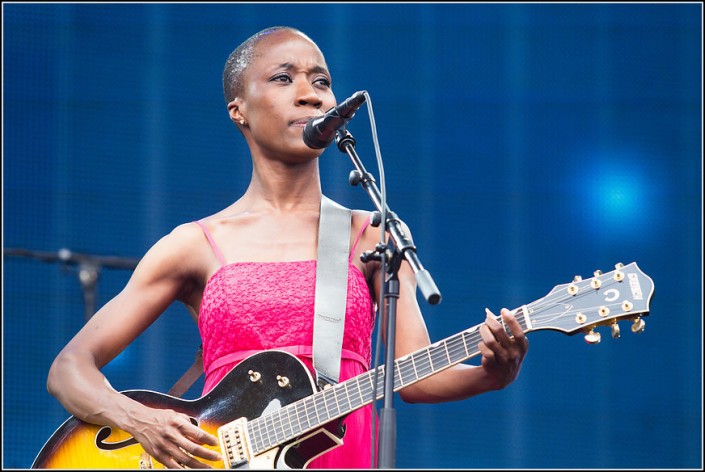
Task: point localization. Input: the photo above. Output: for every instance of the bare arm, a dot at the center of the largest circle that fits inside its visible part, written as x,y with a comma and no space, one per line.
161,277
502,355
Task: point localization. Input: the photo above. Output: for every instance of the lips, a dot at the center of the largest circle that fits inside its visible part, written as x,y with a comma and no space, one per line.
301,121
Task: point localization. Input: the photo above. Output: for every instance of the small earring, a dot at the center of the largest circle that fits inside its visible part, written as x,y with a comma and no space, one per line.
242,121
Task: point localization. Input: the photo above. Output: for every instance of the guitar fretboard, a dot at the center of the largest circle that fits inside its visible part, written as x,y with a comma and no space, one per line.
334,402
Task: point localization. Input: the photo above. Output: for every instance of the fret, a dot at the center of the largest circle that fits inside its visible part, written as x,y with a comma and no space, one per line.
445,345
269,420
284,424
321,407
269,430
359,390
326,397
322,415
420,361
306,414
398,383
406,370
437,357
456,347
413,364
314,403
524,319
522,316
280,429
261,432
289,423
465,344
279,433
398,374
347,406
302,428
427,351
468,339
329,394
365,389
504,326
336,391
251,427
350,407
369,387
308,401
380,381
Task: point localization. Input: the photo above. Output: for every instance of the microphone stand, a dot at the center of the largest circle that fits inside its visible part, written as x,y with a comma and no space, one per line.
89,267
390,255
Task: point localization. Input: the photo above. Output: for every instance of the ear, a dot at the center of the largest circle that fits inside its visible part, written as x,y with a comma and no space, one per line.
235,112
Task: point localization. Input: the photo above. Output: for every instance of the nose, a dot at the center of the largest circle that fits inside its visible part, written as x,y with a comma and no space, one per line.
307,95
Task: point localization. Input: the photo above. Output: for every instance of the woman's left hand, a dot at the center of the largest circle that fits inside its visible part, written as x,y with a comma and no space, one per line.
502,354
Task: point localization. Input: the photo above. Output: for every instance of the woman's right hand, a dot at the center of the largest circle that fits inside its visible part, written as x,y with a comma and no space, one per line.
172,439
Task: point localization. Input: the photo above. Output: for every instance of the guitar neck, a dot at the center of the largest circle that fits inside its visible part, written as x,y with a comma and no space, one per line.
338,400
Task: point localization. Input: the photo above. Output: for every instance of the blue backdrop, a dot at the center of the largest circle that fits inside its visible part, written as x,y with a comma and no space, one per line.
523,144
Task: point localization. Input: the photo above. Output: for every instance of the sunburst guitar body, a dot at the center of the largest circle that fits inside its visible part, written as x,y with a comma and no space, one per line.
260,384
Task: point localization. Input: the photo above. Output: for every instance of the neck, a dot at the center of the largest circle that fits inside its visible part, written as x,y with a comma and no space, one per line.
282,186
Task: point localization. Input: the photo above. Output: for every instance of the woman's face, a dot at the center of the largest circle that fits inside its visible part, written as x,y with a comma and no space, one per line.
286,84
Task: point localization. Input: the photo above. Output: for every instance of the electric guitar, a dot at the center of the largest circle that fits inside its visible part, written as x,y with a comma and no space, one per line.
268,413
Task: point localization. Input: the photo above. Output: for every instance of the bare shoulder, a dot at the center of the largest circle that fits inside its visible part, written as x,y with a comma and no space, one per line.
360,220
372,233
360,217
180,253
366,236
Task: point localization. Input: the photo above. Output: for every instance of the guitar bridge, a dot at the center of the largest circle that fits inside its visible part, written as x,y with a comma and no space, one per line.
146,461
235,443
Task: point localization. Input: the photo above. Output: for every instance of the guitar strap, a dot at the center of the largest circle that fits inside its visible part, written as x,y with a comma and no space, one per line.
331,290
331,297
190,376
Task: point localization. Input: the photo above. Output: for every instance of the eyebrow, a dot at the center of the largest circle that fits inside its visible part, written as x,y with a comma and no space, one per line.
314,69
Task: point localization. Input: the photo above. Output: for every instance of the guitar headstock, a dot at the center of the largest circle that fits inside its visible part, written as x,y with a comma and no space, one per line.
602,300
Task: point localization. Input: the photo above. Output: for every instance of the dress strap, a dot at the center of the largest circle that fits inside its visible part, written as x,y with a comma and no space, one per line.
364,227
217,252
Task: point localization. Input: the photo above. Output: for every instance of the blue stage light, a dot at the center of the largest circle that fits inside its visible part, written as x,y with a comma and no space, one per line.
618,192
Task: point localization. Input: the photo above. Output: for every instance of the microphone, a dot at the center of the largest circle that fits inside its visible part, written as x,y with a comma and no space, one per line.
320,132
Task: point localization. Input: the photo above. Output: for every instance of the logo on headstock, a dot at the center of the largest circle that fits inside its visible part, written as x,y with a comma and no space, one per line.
634,285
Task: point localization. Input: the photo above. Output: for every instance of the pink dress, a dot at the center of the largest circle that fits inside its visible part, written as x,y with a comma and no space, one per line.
249,307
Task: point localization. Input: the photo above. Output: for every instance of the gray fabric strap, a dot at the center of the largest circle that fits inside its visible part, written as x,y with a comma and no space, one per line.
331,290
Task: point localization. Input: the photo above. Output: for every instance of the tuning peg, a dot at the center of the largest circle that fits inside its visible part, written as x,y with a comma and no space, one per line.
577,278
638,326
592,337
597,273
618,274
615,330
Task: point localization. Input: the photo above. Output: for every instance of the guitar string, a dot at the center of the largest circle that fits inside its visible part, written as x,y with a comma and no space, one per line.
459,350
451,344
455,347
